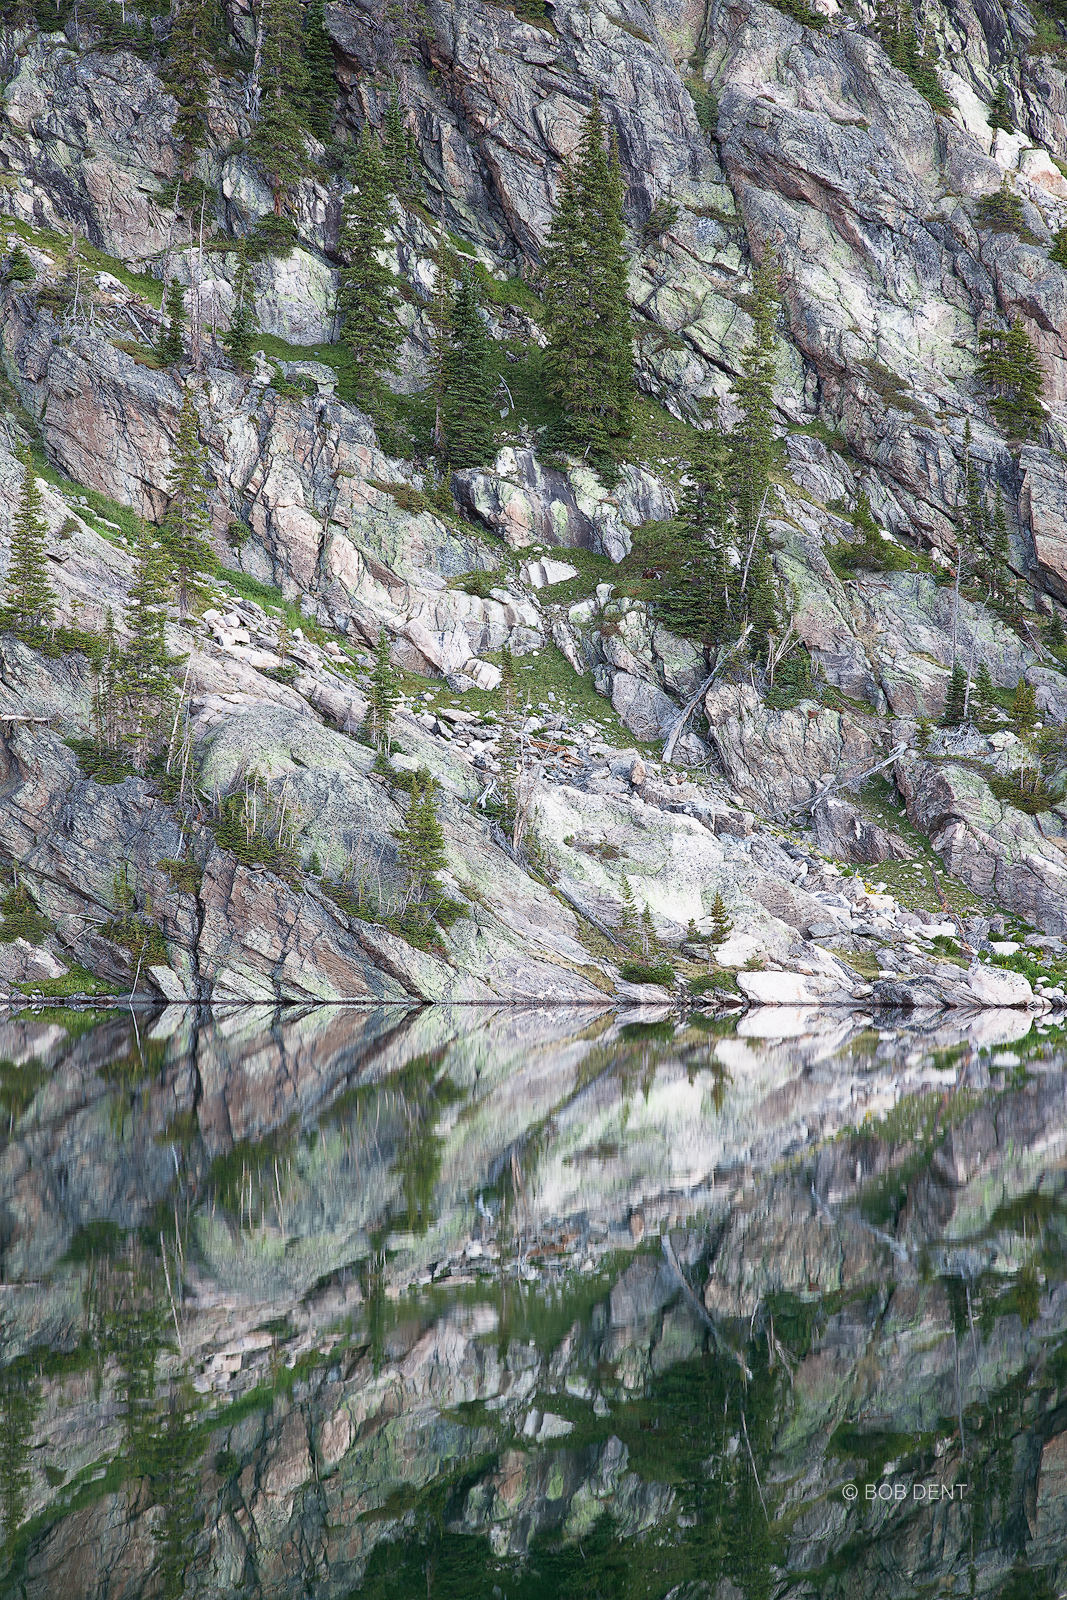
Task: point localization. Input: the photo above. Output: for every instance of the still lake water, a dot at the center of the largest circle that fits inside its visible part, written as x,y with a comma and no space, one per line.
465,1304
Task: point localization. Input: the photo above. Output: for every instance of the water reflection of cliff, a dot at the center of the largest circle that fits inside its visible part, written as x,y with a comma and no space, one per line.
441,1301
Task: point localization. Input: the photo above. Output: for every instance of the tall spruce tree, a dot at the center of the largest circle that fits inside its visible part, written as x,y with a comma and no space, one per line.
698,599
421,849
384,695
170,346
278,139
188,519
320,82
468,379
147,688
587,314
187,68
1000,553
29,601
239,338
368,296
753,452
956,698
400,156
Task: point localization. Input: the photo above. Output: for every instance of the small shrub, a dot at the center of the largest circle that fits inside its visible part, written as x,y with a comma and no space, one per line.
185,875
20,268
661,220
1003,213
637,972
21,918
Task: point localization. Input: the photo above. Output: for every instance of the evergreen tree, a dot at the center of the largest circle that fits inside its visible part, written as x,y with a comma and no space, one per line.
468,380
1000,109
240,337
1058,253
20,268
1023,707
400,155
30,601
187,70
1010,365
753,452
1055,638
384,694
188,519
697,599
106,711
508,744
956,699
1000,553
628,920
278,139
146,683
649,941
170,346
587,314
721,925
321,83
421,847
974,509
368,296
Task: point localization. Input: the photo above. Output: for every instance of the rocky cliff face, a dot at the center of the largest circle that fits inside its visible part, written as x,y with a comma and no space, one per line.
746,132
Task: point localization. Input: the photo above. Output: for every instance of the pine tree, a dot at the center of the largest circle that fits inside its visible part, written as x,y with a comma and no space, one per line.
187,70
368,296
1009,364
30,601
1055,638
384,694
628,920
469,385
106,711
1000,109
421,847
649,941
508,744
697,600
278,140
753,454
240,337
721,926
956,698
20,268
1000,553
400,155
145,674
1058,253
587,314
1023,707
321,91
188,519
170,346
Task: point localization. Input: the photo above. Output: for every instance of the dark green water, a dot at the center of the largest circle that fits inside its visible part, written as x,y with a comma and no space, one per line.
465,1304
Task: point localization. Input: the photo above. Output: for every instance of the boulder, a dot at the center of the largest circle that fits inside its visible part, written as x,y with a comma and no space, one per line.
842,831
995,987
792,989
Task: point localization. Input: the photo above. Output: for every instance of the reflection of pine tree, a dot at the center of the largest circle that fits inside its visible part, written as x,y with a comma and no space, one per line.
20,1398
29,601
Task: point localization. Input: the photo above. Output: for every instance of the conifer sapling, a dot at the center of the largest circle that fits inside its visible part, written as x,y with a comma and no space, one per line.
188,519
